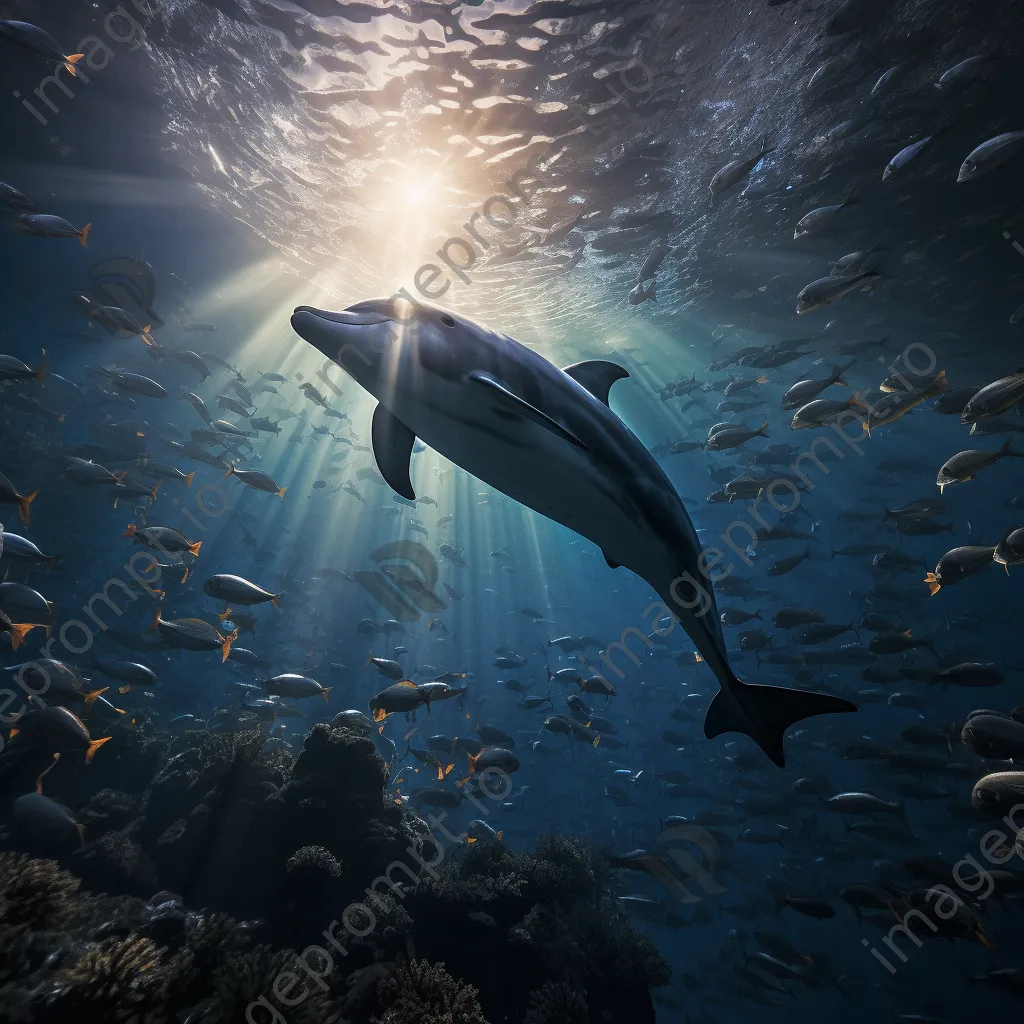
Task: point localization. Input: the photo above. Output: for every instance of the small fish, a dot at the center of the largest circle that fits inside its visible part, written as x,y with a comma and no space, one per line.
236,590
9,496
822,217
390,669
16,200
162,538
990,155
958,563
822,412
45,225
194,635
994,398
56,725
15,369
803,391
257,480
732,437
967,465
402,697
32,39
736,170
785,565
289,684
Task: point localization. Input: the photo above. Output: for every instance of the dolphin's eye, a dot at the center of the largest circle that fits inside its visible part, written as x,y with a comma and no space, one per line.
447,320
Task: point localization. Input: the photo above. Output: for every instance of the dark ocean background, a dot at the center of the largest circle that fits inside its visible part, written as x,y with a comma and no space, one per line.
229,154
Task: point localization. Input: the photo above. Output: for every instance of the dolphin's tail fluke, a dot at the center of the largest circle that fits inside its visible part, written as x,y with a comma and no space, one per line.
764,713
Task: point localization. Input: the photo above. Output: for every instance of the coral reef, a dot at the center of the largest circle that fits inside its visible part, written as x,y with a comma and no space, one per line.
545,915
418,992
209,864
556,1002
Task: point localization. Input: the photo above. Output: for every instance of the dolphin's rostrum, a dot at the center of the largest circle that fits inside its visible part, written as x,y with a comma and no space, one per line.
547,438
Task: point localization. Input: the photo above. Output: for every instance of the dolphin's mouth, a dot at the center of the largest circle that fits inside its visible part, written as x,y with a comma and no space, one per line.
353,317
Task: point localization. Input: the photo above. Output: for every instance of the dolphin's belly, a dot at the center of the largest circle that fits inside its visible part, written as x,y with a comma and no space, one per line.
535,467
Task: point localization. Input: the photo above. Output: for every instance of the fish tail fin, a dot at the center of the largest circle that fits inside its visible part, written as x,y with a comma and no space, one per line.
226,645
764,713
189,477
19,630
71,60
24,500
933,584
280,492
130,530
40,371
274,601
83,235
763,429
194,548
95,745
1006,448
127,688
226,614
326,692
156,619
152,493
90,698
230,471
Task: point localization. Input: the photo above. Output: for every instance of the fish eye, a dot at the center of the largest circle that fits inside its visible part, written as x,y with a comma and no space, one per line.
447,320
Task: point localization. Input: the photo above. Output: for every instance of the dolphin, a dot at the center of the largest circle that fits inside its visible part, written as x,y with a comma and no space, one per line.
547,438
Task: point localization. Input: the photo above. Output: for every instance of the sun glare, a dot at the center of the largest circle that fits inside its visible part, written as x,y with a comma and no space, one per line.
415,194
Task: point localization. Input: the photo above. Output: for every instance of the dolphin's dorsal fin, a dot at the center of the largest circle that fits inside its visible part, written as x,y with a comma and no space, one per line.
392,444
522,409
597,376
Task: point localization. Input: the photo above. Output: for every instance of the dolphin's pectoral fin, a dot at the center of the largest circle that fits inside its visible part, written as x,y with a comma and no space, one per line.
597,376
392,444
764,713
611,564
513,404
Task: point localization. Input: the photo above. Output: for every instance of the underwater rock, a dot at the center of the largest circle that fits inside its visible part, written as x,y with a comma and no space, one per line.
242,833
114,863
109,809
550,920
